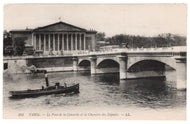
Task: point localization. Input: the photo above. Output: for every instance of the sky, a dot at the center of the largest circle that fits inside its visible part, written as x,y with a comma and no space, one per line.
135,19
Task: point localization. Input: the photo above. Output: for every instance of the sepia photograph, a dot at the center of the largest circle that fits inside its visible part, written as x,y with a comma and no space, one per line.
95,61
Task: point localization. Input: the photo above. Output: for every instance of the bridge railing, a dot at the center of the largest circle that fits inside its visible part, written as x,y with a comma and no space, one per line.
135,50
175,51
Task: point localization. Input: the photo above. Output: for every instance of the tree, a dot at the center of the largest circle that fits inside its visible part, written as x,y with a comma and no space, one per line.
19,45
100,36
162,40
7,39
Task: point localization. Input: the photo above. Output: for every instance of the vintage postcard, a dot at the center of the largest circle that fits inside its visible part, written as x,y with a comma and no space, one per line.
95,61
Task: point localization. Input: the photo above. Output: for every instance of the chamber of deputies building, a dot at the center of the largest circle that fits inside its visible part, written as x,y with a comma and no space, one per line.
57,37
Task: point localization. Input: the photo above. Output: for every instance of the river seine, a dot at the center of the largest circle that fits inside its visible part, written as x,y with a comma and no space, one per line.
103,92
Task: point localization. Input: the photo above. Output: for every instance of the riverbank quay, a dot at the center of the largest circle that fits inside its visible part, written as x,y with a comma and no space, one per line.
51,63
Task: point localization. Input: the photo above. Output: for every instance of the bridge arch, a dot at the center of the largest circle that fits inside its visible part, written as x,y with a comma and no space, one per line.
84,65
107,66
83,59
84,62
107,63
147,65
100,60
149,68
166,61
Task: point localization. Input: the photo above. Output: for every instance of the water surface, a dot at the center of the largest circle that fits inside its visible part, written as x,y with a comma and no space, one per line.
97,91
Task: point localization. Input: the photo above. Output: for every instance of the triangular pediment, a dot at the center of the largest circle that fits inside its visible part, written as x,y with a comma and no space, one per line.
60,26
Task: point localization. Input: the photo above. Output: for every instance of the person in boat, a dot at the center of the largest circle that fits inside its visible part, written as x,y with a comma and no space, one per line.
57,85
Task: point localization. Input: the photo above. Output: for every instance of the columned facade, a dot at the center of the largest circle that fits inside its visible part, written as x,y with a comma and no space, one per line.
56,41
59,38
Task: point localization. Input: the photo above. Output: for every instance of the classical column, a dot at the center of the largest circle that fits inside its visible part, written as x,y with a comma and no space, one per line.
76,41
34,41
71,41
53,39
93,60
49,42
123,66
62,41
39,41
181,82
55,42
75,64
58,40
67,41
80,48
84,42
44,42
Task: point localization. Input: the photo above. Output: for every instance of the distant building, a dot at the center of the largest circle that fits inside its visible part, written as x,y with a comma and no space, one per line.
109,47
56,37
101,44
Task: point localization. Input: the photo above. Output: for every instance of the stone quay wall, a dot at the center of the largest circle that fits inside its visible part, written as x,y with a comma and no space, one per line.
51,64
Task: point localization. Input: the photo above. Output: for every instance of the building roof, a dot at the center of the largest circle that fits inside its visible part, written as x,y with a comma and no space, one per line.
21,31
58,27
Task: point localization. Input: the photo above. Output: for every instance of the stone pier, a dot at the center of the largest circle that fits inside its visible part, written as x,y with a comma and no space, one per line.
123,67
75,64
181,71
93,64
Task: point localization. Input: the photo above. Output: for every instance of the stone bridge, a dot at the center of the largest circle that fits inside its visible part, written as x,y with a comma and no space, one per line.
134,64
129,63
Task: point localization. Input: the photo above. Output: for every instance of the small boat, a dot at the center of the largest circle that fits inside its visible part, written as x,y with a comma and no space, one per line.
56,89
45,91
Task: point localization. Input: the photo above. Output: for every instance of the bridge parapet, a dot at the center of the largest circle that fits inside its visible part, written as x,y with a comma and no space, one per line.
171,50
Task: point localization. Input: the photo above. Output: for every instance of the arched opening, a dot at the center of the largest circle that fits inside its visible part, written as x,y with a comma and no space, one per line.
148,68
108,63
108,66
146,65
84,65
